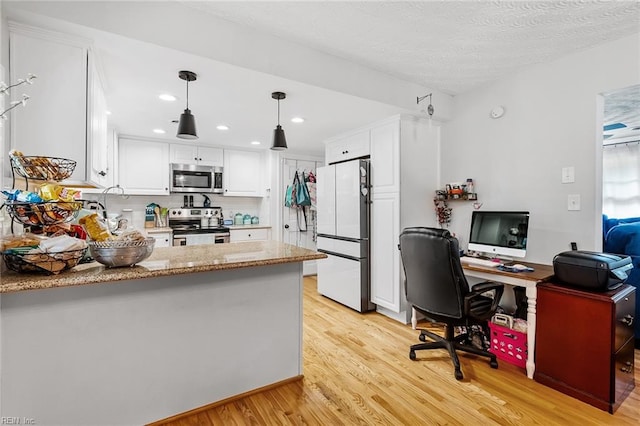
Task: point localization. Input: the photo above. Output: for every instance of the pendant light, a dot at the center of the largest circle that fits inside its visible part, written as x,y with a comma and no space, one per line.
279,141
187,124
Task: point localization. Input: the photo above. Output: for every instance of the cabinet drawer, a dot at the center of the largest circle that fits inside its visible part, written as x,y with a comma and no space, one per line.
625,319
624,373
249,234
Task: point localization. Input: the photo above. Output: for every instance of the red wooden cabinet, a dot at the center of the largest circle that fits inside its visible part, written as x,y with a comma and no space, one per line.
584,343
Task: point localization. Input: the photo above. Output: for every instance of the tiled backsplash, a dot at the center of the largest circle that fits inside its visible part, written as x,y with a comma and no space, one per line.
116,203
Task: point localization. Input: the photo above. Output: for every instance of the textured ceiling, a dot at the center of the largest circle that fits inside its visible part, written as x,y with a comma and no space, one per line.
451,46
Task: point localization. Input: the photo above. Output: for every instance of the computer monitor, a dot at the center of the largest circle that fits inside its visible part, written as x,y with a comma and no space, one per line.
499,233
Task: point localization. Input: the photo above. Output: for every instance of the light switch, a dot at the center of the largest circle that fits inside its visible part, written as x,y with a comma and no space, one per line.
568,174
573,202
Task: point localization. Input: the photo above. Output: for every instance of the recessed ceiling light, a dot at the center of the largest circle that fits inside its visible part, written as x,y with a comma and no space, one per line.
297,120
222,127
255,142
159,131
167,97
108,112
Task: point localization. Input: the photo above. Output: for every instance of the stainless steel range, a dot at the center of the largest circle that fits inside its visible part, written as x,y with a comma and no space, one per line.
197,225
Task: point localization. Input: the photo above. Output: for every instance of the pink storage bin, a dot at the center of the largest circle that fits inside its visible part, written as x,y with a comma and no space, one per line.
508,345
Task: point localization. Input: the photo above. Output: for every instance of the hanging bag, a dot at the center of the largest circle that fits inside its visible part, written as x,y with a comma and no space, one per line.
290,195
302,192
289,198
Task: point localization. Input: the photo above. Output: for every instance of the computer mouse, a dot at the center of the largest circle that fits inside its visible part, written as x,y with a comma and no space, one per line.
519,266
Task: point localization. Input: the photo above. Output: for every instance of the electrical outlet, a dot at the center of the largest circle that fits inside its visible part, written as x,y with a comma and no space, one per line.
573,202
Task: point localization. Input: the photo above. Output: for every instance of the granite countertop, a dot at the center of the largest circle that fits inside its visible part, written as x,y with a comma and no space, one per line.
165,261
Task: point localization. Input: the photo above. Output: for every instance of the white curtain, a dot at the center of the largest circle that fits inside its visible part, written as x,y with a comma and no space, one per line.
621,180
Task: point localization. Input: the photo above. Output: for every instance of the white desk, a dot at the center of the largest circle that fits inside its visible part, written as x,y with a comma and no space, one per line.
528,280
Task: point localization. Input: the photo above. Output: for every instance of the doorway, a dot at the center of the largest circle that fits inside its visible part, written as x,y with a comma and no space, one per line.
298,226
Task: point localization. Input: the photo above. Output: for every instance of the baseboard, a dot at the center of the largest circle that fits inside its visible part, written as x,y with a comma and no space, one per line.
225,401
402,316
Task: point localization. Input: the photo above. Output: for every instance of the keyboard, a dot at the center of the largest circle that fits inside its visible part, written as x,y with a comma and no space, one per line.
480,262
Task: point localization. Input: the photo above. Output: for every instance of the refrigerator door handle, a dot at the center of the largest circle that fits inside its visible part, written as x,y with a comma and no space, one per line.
344,256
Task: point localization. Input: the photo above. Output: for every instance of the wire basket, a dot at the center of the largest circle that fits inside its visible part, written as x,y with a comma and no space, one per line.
43,168
21,260
45,213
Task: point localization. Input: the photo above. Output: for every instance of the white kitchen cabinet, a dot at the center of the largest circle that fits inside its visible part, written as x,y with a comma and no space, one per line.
404,175
163,239
385,157
255,234
385,264
243,173
54,123
347,147
196,154
143,166
100,163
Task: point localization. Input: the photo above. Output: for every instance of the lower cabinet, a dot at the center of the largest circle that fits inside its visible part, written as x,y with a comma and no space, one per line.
584,343
254,234
386,288
163,239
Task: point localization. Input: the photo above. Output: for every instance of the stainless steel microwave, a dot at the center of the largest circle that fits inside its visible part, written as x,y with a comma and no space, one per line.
193,178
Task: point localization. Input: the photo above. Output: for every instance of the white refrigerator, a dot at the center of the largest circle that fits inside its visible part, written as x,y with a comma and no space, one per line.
343,204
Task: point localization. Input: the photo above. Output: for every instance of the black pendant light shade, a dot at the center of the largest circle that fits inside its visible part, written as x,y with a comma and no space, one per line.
187,124
279,141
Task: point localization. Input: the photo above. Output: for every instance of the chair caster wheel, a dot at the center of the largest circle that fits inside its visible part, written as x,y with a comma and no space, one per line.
493,363
412,355
422,337
458,375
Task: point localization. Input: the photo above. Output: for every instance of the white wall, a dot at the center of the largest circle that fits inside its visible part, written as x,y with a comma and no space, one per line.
553,119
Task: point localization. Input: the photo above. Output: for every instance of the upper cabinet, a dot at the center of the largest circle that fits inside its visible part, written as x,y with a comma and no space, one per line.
100,164
243,173
194,154
143,166
65,99
385,158
348,147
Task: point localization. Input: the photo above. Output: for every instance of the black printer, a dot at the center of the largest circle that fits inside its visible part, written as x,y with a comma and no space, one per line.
590,270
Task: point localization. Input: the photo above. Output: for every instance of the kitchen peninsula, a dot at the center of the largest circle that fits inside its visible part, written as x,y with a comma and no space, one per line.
186,327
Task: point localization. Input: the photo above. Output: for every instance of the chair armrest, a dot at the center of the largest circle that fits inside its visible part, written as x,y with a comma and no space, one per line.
478,289
487,286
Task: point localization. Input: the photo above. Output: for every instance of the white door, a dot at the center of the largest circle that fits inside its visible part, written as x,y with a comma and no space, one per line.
348,199
326,200
292,218
386,289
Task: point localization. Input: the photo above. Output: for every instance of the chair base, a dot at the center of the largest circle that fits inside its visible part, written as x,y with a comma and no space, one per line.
451,343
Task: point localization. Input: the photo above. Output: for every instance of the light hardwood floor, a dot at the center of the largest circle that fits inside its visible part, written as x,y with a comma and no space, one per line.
357,371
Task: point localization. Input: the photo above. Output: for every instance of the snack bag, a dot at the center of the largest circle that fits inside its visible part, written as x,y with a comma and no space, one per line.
96,229
50,191
22,196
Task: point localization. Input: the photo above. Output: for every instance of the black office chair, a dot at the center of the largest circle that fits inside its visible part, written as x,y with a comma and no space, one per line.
436,287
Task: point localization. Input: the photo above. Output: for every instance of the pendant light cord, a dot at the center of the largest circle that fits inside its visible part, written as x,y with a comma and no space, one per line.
278,112
187,94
